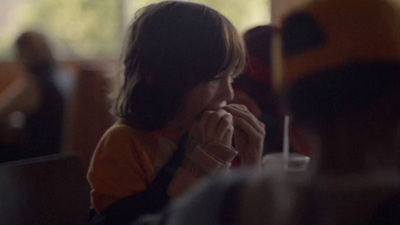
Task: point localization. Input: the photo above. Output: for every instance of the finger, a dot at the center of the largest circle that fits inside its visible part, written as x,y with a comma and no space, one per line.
239,136
249,128
245,114
227,138
225,129
208,125
213,121
224,123
236,106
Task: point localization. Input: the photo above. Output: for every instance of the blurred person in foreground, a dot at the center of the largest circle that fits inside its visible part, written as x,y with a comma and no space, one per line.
32,107
341,82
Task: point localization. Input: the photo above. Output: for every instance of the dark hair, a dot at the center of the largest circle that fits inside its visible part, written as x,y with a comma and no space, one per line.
258,42
345,92
34,47
172,47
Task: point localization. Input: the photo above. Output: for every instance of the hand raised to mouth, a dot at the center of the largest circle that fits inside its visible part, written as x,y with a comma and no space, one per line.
249,134
216,126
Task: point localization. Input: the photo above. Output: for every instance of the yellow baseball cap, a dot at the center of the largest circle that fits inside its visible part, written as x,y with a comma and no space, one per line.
326,34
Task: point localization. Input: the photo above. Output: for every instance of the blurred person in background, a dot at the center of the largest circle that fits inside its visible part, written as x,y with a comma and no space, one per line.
32,107
254,89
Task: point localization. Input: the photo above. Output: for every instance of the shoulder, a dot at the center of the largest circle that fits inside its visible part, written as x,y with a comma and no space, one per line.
116,142
122,140
122,148
121,132
119,128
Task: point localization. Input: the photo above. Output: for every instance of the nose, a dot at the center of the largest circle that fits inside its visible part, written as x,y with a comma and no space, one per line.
227,91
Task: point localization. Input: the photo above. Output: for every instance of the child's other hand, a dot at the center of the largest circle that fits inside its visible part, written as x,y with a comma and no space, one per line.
243,98
249,134
216,126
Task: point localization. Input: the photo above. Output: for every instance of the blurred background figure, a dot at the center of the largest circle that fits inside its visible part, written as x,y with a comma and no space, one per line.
32,107
253,88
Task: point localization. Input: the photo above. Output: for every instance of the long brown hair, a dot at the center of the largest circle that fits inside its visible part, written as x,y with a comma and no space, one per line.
172,47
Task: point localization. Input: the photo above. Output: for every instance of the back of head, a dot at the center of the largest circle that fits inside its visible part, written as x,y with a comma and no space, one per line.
258,42
341,61
33,49
257,75
172,47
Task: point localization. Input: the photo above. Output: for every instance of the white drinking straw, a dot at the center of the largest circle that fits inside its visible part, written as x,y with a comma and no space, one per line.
286,141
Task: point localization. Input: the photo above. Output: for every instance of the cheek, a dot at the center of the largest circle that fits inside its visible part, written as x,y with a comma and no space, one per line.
196,102
199,99
203,94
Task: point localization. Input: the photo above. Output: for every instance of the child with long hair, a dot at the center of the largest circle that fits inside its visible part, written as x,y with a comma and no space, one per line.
174,126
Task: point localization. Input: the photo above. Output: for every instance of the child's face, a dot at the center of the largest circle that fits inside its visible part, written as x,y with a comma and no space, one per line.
210,95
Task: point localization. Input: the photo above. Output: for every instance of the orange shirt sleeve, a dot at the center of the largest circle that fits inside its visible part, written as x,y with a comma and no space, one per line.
121,165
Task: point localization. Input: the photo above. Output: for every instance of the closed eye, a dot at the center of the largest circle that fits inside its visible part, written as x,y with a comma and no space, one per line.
218,77
231,77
